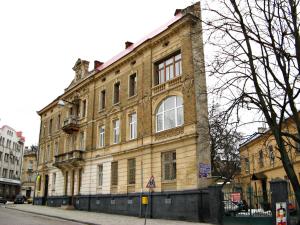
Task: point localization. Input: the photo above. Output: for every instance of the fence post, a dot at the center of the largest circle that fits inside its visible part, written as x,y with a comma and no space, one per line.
279,193
216,208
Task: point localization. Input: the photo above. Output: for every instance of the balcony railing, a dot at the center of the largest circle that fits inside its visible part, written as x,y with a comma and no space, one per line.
68,159
71,124
168,84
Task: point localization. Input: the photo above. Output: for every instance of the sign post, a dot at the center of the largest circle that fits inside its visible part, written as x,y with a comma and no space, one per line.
281,213
145,199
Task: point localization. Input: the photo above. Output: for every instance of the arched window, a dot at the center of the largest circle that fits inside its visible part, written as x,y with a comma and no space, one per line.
169,113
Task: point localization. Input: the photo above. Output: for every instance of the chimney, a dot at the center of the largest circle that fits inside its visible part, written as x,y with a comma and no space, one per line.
97,64
177,11
128,44
261,130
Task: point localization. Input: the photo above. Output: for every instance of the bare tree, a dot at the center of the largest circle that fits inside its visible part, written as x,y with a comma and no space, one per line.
224,145
257,65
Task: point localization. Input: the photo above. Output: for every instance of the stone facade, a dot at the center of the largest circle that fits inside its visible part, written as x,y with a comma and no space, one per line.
11,156
141,114
29,171
260,159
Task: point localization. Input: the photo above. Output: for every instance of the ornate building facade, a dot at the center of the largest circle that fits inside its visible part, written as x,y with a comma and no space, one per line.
29,171
11,155
141,114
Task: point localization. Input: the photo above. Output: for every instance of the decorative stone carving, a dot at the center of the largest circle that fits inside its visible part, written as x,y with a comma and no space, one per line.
188,84
169,133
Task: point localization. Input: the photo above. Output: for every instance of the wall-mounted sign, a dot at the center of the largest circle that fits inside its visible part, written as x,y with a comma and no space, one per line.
204,170
281,216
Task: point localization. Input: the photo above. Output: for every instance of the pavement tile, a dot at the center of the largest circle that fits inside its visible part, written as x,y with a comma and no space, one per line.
95,218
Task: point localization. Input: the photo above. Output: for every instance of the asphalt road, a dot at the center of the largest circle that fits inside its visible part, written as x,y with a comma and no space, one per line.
14,217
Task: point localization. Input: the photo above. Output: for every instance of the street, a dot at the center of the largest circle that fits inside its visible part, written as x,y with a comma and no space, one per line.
14,217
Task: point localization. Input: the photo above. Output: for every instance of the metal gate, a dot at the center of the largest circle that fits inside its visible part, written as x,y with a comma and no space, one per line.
250,208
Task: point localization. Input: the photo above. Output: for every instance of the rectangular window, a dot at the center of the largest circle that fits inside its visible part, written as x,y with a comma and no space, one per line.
261,159
102,99
53,181
100,175
58,122
271,156
169,165
4,173
56,148
81,141
30,165
48,154
101,136
116,131
168,69
11,174
131,171
132,85
247,165
6,157
114,173
50,126
0,156
83,108
132,126
116,92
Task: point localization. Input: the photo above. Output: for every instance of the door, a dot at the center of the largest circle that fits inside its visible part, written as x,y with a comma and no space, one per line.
46,188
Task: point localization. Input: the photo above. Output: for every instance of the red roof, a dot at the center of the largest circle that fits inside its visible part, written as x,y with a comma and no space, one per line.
135,45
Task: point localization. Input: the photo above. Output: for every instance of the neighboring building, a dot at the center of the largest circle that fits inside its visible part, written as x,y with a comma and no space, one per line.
11,155
29,171
260,159
142,113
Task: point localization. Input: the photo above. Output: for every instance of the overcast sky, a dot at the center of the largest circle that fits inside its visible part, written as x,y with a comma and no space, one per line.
40,42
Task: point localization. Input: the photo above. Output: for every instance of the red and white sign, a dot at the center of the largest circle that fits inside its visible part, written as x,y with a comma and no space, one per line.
151,182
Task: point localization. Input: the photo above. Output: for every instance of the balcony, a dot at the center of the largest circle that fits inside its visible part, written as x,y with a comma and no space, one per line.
71,125
68,159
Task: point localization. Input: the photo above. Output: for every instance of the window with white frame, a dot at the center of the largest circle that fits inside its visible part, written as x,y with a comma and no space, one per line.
133,126
101,136
169,113
116,131
100,175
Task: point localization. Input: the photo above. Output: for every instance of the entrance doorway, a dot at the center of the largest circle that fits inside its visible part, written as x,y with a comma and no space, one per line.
46,188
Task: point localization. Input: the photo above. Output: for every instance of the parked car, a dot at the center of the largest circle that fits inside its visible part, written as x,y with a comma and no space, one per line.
20,199
243,206
3,200
230,207
29,200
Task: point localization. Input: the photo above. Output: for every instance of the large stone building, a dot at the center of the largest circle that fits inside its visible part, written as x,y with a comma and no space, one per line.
11,155
29,171
260,159
141,114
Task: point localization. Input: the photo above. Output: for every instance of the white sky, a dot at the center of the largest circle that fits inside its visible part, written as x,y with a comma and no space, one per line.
40,42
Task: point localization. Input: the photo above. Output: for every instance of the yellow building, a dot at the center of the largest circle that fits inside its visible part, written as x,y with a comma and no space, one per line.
29,170
260,159
141,114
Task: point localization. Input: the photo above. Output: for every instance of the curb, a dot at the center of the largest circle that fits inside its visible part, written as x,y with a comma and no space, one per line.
57,217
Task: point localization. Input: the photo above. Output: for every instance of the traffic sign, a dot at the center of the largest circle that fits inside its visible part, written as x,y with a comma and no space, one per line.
151,182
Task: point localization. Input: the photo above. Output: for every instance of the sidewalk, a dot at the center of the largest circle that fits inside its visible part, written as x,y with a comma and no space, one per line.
93,218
